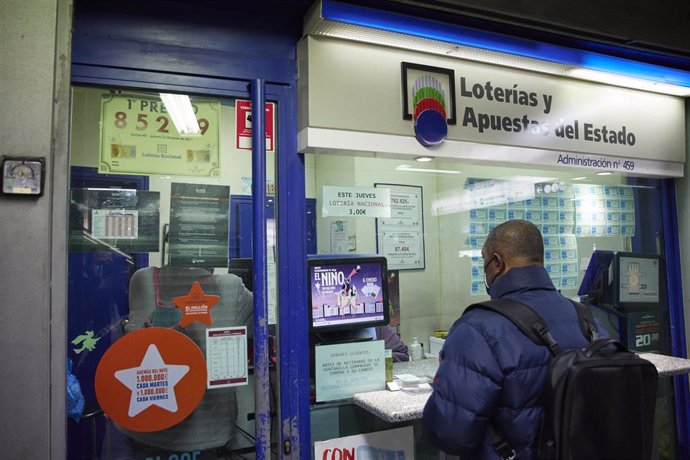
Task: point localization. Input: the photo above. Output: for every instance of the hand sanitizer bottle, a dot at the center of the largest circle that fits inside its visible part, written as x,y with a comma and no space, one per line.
415,350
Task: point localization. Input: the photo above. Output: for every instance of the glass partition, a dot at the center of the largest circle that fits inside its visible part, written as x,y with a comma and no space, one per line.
160,275
437,215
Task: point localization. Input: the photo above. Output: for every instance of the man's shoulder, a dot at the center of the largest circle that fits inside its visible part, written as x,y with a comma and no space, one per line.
481,319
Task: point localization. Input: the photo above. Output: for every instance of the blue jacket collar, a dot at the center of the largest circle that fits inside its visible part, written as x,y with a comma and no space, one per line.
521,280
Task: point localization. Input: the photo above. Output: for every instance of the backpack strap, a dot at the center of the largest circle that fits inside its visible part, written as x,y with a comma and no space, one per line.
589,328
533,326
525,318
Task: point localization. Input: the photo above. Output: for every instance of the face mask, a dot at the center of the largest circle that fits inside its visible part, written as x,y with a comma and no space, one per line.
486,284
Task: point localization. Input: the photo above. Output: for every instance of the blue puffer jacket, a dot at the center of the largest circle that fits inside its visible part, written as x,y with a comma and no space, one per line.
490,371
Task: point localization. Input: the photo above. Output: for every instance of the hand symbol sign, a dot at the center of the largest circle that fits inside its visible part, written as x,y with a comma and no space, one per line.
634,278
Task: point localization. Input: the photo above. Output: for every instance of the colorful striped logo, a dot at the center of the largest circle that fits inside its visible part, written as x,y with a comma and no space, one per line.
429,102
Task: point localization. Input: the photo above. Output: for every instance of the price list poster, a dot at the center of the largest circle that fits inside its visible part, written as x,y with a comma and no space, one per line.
226,356
400,237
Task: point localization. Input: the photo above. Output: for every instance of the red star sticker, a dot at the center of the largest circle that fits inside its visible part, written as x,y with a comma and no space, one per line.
196,306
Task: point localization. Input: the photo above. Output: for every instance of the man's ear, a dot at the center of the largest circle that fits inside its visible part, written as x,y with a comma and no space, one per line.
501,263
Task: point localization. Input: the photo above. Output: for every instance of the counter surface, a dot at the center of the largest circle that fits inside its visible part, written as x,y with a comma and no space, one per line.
398,406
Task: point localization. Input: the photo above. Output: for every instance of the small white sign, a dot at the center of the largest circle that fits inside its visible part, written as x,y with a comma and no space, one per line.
401,237
345,369
226,356
355,202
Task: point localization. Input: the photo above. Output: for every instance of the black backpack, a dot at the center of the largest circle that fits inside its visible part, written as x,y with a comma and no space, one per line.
599,400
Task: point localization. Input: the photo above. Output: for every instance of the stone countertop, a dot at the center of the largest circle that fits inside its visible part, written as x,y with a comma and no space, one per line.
399,406
667,365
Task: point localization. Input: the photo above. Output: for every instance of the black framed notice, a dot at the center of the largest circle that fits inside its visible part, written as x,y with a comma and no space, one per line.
199,225
125,220
400,237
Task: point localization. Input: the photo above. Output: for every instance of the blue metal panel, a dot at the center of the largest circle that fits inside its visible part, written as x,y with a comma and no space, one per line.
240,244
676,310
241,225
243,40
292,278
649,229
452,33
261,359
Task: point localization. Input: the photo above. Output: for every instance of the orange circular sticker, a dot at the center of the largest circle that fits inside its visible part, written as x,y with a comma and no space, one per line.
151,379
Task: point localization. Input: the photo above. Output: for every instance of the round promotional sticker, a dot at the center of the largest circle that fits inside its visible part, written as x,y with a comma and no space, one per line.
151,379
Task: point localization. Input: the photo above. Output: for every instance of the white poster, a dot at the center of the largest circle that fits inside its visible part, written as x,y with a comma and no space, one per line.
397,444
226,357
339,237
355,202
348,368
400,237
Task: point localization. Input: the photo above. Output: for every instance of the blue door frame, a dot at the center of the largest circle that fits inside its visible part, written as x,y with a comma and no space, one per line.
676,309
291,235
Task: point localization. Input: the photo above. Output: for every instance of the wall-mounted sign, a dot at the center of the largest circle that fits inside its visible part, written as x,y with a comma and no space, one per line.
429,100
400,237
138,136
355,202
151,379
503,115
345,369
243,125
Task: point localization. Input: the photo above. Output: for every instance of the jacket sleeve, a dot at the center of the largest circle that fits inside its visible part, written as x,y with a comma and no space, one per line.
466,388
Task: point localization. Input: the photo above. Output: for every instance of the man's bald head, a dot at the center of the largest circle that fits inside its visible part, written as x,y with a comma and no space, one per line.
519,242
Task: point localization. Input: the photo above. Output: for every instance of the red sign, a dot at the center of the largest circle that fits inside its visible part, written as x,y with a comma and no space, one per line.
151,379
243,125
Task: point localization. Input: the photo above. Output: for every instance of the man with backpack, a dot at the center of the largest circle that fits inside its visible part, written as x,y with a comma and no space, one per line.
488,390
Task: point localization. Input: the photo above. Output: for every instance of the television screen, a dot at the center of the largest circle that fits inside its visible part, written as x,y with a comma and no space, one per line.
347,292
638,280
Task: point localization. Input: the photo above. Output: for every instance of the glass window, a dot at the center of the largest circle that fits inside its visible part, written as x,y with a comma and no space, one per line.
160,275
440,214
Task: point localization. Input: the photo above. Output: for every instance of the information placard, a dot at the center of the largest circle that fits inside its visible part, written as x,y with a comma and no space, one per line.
355,202
243,125
345,369
138,136
226,357
400,237
199,225
645,331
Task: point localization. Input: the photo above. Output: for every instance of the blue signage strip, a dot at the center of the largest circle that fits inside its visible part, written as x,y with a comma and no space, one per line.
451,33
